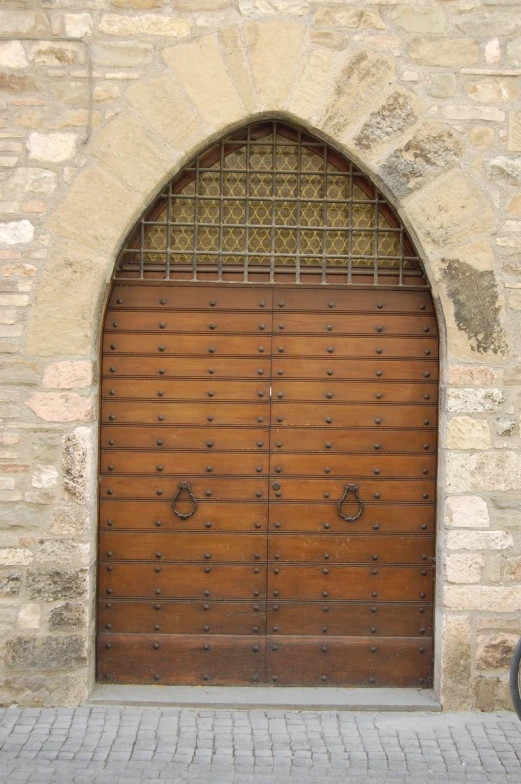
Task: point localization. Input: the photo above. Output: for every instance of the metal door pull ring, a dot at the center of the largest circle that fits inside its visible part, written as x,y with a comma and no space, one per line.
351,489
184,486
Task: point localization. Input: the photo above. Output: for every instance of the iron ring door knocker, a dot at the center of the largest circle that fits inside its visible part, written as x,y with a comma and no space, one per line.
351,489
184,486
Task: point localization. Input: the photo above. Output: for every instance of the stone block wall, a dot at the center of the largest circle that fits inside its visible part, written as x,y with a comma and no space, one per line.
104,103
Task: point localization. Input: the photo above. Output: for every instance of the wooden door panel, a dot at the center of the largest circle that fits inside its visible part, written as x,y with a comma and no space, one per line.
183,581
351,548
377,516
354,323
385,346
216,489
313,661
360,369
161,367
181,659
334,300
351,392
123,616
184,463
140,412
207,322
163,438
210,345
167,546
150,515
331,490
330,441
350,619
352,415
207,390
414,466
178,297
332,582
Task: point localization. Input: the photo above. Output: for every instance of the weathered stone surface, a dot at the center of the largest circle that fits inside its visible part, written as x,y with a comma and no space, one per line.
512,570
464,567
312,83
514,52
449,210
255,7
498,599
15,556
482,23
62,551
49,652
474,400
492,90
491,471
10,582
29,616
487,113
12,83
61,406
69,520
161,103
431,150
12,55
235,57
329,39
77,25
17,23
472,375
29,180
363,18
145,24
456,645
44,477
51,585
55,53
51,147
274,51
216,99
68,617
478,540
440,85
495,650
69,374
505,169
446,52
418,19
467,433
482,137
397,113
128,149
76,462
357,87
122,54
203,5
505,426
16,232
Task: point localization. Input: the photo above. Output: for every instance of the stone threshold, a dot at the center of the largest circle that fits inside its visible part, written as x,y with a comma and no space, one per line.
266,698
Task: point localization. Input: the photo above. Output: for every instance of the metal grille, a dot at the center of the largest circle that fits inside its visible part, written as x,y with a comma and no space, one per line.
270,203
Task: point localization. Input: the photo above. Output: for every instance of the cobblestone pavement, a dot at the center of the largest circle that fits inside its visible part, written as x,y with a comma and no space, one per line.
130,745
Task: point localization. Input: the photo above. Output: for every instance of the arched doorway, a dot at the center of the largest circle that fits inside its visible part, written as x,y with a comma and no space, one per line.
268,437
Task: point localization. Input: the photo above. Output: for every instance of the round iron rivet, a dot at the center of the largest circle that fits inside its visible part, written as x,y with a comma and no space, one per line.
329,327
256,570
158,523
274,647
257,556
277,524
281,326
209,443
157,591
161,348
209,469
328,444
281,304
278,469
329,395
162,301
426,446
378,396
112,417
426,329
331,304
280,395
276,571
206,628
330,350
325,593
108,645
274,678
326,556
110,468
325,571
377,495
376,526
208,524
109,491
255,629
374,557
325,608
378,421
425,470
260,372
379,351
112,369
207,569
377,446
211,394
329,372
159,467
206,677
260,443
427,352
262,304
162,324
255,649
426,374
119,301
426,397
208,493
373,649
277,556
109,522
279,444
161,417
258,493
212,303
261,349
281,349
421,630
155,645
159,492
327,525
256,608
376,471
112,392
276,485
260,419
262,326
113,346
275,593
425,496
379,305
108,626
373,609
157,606
108,590
109,568
257,525
378,373
326,495
424,526
422,649
280,372
206,647
207,556
374,594
211,350
374,571
379,329
329,420
206,606
327,470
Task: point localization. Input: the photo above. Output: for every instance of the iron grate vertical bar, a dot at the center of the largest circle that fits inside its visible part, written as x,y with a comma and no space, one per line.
324,217
168,232
247,205
350,227
142,250
196,218
375,237
298,206
221,214
273,191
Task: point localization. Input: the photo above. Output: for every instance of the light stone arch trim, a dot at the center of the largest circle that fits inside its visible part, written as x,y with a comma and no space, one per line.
203,89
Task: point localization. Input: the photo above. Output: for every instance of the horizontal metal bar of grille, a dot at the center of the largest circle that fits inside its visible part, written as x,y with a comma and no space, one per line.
267,201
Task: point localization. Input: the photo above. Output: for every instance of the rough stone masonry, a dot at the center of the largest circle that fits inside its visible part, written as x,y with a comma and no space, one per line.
424,96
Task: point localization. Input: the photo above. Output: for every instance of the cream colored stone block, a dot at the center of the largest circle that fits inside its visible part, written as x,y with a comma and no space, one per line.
82,215
514,52
418,19
469,400
122,54
514,132
481,23
235,58
482,137
464,567
69,374
146,24
12,55
467,433
15,23
492,471
127,149
312,82
255,7
56,53
472,375
161,103
78,25
200,70
51,147
16,232
61,406
44,477
68,301
274,49
70,520
77,463
478,540
30,179
446,52
492,90
63,551
456,657
466,511
487,113
513,569
363,18
449,210
356,89
495,650
440,85
29,616
477,597
15,556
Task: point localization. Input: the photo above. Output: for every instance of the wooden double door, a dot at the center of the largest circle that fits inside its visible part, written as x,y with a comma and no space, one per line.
268,469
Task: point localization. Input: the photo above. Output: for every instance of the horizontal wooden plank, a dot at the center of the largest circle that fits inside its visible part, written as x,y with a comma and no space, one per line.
199,296
350,548
208,414
377,516
162,546
351,392
164,323
393,662
185,463
163,438
214,488
330,441
334,465
209,390
350,415
332,300
331,323
331,490
151,515
181,659
381,345
161,367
